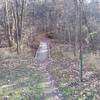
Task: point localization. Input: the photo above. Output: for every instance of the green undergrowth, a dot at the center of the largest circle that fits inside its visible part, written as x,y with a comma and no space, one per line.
21,83
70,92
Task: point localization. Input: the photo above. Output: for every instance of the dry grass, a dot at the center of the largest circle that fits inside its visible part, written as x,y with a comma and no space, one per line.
92,60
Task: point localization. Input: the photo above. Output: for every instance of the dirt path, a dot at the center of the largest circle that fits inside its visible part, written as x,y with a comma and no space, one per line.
43,59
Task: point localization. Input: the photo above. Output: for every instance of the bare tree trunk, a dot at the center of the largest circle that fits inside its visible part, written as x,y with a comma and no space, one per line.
69,36
21,21
54,24
76,26
66,24
17,28
80,30
65,19
6,22
18,18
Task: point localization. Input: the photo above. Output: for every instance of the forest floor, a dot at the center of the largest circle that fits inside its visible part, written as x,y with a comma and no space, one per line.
22,79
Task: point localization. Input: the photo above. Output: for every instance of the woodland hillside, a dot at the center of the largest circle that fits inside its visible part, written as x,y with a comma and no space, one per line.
49,50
